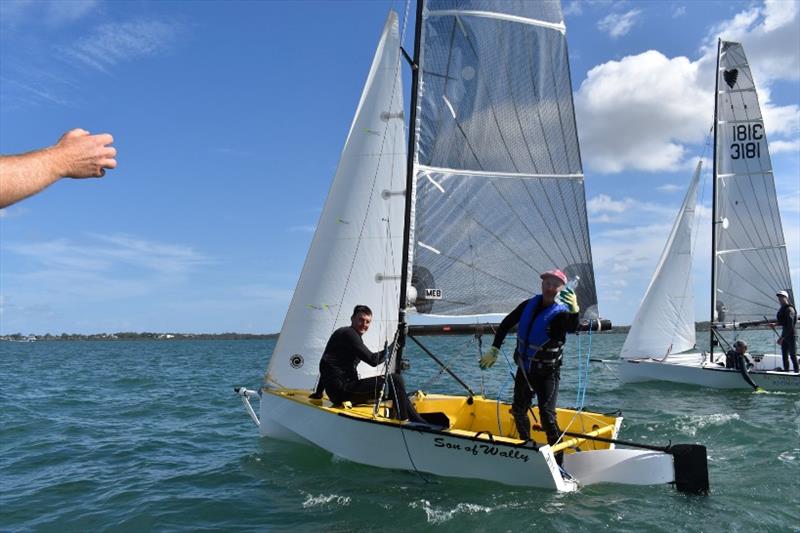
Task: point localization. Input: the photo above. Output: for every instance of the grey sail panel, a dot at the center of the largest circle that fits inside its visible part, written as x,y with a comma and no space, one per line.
751,260
499,183
496,96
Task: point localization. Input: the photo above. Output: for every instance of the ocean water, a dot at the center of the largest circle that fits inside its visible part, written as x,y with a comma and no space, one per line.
148,435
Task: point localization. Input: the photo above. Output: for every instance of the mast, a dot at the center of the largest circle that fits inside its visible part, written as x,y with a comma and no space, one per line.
714,220
412,134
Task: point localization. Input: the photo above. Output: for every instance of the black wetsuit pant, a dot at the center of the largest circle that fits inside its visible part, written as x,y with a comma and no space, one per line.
367,390
789,350
544,380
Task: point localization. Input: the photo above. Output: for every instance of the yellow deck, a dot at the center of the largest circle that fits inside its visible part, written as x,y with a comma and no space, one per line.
477,419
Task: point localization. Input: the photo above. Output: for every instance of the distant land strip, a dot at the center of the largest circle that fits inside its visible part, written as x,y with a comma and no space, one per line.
149,336
131,336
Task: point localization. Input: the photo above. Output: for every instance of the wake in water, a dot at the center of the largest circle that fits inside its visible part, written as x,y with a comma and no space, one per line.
323,499
692,423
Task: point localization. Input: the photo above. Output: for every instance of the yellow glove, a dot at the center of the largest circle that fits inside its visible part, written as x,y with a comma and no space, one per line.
489,358
570,299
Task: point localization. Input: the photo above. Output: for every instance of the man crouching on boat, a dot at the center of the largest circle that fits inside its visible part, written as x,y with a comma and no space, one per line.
339,377
543,327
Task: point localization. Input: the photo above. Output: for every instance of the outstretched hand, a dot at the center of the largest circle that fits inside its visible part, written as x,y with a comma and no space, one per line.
81,155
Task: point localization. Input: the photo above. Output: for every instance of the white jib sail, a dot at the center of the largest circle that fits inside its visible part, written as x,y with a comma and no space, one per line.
356,253
664,322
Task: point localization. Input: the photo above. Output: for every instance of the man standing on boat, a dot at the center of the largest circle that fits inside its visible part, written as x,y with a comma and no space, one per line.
543,327
787,318
339,377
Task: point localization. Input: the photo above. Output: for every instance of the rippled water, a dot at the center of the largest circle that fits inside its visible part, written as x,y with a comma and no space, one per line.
148,435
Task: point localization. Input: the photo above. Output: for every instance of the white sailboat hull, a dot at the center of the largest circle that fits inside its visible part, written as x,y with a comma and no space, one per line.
693,369
387,444
383,445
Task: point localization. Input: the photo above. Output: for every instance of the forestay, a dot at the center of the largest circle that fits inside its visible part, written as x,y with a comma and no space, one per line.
664,322
356,251
499,182
751,261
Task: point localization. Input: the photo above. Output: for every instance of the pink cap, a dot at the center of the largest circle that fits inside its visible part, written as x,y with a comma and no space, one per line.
556,273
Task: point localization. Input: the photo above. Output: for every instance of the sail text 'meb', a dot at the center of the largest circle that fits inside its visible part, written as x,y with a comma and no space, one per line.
499,183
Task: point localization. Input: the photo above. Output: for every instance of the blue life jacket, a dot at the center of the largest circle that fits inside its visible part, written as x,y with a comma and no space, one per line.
532,335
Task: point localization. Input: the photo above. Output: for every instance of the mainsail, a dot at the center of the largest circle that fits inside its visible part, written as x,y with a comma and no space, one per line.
664,322
356,252
498,176
750,257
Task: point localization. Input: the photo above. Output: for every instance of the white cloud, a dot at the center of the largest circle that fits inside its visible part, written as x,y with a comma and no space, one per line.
777,147
14,14
679,12
114,43
305,228
107,253
63,12
779,13
618,24
573,8
670,187
636,113
643,111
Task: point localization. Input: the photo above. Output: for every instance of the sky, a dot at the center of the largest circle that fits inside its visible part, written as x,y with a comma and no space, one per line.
229,119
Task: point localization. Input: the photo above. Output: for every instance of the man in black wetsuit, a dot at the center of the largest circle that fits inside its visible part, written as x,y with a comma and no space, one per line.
787,318
737,358
339,377
543,327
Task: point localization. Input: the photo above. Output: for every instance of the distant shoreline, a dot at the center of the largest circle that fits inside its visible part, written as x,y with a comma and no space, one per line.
146,336
149,336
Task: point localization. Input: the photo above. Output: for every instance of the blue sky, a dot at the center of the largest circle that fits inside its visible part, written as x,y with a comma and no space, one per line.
229,119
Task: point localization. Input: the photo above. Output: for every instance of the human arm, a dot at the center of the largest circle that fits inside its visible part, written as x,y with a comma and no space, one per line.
745,374
76,155
511,320
360,350
562,324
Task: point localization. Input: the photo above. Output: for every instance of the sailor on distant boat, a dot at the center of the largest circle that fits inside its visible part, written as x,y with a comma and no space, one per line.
787,318
543,327
339,377
739,359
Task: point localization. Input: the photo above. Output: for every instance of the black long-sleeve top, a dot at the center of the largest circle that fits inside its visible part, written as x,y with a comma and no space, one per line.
557,330
787,318
345,349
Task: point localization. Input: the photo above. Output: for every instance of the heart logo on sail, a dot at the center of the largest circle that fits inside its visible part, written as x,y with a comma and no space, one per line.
730,77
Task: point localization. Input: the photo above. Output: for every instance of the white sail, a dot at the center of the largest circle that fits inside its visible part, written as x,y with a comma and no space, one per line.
664,322
356,253
499,181
751,263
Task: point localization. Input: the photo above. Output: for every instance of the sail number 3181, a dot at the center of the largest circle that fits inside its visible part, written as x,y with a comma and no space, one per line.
747,137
